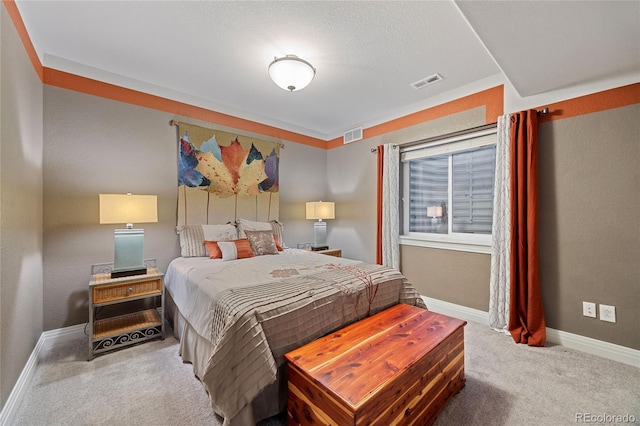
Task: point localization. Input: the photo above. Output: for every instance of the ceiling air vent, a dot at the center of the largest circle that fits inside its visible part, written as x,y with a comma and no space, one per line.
353,135
426,81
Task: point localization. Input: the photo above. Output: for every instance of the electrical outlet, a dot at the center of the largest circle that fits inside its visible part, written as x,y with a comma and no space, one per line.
608,313
589,309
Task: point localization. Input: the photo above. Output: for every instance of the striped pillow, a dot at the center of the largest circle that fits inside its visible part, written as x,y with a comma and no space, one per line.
192,241
192,238
278,232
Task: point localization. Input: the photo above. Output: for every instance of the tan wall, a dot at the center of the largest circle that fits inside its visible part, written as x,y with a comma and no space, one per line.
453,276
95,145
589,215
20,207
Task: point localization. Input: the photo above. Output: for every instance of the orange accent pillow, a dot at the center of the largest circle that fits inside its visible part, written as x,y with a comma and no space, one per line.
238,249
213,249
278,246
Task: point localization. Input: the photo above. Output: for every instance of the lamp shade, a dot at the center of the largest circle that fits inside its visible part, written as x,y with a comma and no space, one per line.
128,208
321,210
434,211
291,73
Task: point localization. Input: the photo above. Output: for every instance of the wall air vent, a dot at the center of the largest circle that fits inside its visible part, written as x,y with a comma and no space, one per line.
426,81
353,135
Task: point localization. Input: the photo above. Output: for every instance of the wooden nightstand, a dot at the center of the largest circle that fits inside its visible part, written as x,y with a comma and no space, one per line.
112,332
330,252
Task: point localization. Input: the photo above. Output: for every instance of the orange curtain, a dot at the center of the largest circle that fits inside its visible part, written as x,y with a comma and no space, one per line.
526,317
380,154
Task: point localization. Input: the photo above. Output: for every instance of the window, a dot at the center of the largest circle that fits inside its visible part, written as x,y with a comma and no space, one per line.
448,191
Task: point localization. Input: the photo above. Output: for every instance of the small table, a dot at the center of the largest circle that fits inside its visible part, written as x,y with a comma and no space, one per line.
112,332
399,366
329,252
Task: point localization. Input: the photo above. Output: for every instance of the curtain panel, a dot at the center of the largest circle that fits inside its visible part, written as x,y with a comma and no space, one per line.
499,292
526,316
388,229
515,303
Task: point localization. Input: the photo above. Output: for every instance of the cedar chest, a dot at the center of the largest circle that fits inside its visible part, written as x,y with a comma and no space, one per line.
397,367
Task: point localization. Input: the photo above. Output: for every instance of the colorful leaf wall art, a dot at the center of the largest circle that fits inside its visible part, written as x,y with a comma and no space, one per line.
222,165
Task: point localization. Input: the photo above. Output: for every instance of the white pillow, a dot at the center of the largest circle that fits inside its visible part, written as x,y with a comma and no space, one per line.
238,249
228,249
249,225
226,232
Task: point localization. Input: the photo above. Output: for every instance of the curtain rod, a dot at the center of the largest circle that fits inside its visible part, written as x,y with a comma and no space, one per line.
177,124
543,111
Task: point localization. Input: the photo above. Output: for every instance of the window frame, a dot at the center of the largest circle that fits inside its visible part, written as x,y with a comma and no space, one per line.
446,144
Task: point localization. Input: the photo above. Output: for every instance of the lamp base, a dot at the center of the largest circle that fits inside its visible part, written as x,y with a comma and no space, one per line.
128,272
319,235
128,253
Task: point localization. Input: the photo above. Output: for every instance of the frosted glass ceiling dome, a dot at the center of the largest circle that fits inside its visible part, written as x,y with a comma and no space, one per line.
291,73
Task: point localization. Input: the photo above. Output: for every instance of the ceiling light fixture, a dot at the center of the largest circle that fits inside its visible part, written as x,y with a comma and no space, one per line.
291,73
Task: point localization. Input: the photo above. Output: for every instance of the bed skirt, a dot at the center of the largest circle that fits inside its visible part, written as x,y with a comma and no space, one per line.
196,350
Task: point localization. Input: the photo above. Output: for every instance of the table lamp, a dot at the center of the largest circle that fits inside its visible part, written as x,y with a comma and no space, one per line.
320,210
129,242
434,212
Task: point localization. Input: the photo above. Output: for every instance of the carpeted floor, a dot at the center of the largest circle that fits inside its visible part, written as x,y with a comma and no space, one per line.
507,384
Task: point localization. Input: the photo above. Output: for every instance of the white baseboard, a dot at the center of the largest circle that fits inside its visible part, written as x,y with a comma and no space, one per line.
574,341
595,347
456,311
47,340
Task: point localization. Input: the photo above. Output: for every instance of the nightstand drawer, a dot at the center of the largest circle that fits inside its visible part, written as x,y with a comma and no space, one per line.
115,292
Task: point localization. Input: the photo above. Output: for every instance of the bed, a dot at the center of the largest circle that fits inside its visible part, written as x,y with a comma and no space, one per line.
237,318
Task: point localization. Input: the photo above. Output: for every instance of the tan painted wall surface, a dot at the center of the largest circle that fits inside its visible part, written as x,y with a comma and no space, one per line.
589,222
20,207
95,145
453,276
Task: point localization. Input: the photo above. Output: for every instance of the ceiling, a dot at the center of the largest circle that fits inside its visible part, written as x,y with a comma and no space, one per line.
215,54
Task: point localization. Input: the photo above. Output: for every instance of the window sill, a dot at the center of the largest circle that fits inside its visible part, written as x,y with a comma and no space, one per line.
446,245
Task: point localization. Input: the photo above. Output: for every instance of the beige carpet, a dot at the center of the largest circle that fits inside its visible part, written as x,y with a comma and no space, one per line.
507,384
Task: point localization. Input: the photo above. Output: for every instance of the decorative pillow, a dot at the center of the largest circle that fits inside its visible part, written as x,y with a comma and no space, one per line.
192,241
278,231
238,249
262,242
192,237
278,246
227,232
213,249
249,225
